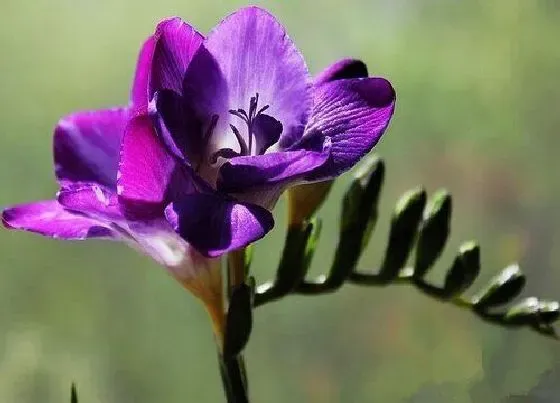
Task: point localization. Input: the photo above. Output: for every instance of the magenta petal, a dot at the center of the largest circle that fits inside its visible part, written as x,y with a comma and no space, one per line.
140,86
214,225
354,114
256,55
86,146
49,218
146,169
340,70
176,44
91,200
242,174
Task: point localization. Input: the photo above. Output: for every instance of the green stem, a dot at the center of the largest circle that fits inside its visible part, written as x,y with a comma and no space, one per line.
234,379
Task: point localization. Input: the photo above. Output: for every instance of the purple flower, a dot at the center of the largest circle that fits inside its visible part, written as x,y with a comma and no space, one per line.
226,123
86,158
216,129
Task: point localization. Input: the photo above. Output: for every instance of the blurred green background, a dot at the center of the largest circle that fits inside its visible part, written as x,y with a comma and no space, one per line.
477,113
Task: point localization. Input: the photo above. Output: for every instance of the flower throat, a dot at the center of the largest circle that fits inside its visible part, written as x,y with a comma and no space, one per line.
249,119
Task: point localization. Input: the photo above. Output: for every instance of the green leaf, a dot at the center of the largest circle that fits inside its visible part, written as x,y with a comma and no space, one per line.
502,288
464,271
404,226
433,233
239,321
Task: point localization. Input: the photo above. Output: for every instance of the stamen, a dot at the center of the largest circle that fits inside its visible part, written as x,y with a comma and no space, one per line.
264,108
253,105
242,144
241,114
248,118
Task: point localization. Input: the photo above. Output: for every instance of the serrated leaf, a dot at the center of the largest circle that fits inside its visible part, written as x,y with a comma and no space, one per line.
502,288
239,321
464,271
433,233
404,226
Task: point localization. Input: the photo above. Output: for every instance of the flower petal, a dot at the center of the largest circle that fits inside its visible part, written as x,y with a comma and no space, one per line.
267,131
189,121
92,201
179,127
214,225
49,218
243,174
342,69
86,146
354,114
140,85
256,55
176,42
146,170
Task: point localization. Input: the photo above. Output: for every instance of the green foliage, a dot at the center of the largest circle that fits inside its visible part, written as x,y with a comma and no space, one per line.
413,225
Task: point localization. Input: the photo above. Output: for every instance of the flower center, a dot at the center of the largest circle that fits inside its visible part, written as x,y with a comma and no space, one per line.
249,118
260,132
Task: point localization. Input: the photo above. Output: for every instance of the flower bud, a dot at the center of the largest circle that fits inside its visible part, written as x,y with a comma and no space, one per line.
304,200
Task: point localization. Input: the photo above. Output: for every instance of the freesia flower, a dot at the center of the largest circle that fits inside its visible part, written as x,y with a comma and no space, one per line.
216,129
236,118
86,158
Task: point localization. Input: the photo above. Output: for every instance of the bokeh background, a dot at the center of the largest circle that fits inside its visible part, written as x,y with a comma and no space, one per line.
478,113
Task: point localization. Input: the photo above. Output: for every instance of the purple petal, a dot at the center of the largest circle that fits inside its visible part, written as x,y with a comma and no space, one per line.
214,225
49,218
176,44
146,169
256,55
267,131
86,146
91,200
242,174
353,114
340,70
140,86
179,127
188,122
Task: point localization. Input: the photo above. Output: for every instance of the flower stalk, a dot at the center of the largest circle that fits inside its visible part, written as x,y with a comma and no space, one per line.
238,298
